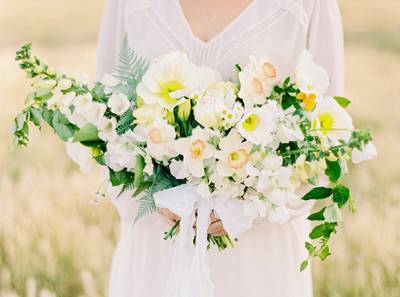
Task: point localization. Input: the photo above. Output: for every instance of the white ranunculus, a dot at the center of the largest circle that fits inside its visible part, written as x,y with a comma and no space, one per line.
81,155
331,120
367,153
64,84
167,75
118,103
160,137
209,111
310,77
195,150
233,156
258,126
107,129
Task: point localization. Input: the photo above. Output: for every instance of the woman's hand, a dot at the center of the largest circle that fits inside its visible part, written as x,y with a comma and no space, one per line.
216,228
168,216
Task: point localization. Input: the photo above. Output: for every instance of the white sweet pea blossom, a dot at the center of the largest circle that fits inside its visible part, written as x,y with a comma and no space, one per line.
96,113
83,103
82,156
233,156
107,129
195,150
167,75
331,120
62,101
118,103
121,152
367,153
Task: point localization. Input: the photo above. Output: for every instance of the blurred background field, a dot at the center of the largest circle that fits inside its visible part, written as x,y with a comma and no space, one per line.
54,242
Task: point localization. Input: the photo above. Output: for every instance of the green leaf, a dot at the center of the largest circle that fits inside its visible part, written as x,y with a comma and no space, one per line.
36,116
142,187
324,253
341,195
122,177
324,230
318,193
64,129
317,216
303,265
125,122
88,132
310,248
139,166
333,170
47,115
147,206
100,160
344,102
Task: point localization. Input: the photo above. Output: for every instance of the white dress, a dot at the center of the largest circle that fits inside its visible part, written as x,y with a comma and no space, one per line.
265,261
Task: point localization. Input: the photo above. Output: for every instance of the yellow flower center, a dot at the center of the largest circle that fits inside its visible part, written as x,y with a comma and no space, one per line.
326,121
166,88
155,135
269,70
257,86
238,159
310,100
197,149
251,122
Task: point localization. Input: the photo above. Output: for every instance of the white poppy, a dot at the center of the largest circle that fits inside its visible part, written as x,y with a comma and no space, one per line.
366,153
257,126
118,103
331,120
82,156
168,74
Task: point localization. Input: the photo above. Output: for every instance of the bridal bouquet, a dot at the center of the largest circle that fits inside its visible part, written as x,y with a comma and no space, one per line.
177,135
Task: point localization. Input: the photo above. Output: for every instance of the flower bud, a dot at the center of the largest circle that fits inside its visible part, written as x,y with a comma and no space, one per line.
64,84
184,110
170,117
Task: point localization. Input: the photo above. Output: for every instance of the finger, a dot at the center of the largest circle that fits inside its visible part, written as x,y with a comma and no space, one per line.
215,227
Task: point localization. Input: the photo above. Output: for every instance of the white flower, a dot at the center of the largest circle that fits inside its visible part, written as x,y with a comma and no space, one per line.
160,137
96,113
280,197
148,113
203,191
121,152
77,119
168,74
62,101
367,153
107,129
255,207
278,215
310,77
208,111
118,103
233,156
83,103
81,155
256,81
45,84
64,84
257,126
195,149
331,120
149,167
178,169
332,214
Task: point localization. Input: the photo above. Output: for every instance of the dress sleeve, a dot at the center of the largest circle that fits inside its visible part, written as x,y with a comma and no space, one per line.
111,35
325,41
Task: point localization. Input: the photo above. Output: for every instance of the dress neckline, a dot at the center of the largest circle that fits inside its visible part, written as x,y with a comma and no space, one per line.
218,35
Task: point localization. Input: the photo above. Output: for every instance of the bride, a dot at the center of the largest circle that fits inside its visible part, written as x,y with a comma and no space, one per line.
265,261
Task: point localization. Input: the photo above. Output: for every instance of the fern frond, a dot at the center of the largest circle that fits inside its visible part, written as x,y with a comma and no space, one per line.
146,206
125,122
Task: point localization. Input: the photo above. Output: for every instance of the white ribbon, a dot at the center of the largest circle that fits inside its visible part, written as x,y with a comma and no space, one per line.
189,273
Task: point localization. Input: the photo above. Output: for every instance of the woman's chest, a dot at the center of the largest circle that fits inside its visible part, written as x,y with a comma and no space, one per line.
263,29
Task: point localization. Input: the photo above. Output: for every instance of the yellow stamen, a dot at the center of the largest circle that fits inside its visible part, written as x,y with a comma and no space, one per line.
251,122
326,121
238,159
166,88
155,136
198,147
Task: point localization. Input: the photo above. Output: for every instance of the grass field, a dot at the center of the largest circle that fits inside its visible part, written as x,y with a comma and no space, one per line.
54,242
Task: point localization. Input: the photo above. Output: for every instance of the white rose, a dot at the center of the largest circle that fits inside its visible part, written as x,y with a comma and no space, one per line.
118,103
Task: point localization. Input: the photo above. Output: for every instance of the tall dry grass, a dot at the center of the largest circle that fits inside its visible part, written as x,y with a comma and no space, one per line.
54,242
